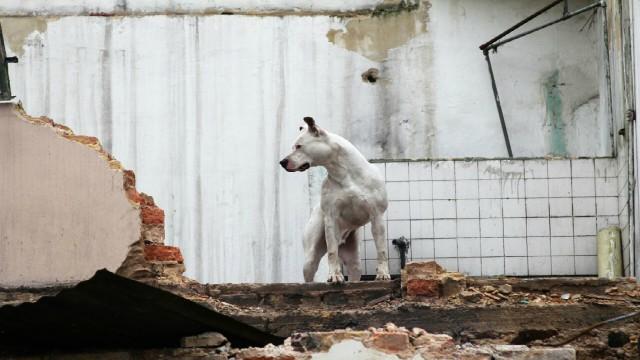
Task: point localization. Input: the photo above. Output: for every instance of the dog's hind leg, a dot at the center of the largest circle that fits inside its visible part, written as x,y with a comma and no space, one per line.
350,256
315,245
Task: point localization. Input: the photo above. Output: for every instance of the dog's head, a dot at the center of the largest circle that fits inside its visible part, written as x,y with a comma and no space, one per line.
311,148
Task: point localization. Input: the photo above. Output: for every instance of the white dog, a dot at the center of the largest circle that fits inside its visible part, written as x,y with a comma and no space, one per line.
353,194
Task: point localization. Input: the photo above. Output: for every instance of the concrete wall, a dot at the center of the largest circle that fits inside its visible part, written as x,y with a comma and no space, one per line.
202,105
623,81
64,210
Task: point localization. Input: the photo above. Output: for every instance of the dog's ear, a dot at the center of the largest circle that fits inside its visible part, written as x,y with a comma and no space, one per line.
313,128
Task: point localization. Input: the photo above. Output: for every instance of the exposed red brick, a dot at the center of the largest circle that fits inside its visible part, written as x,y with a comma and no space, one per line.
152,215
148,199
154,252
391,342
133,195
423,287
129,179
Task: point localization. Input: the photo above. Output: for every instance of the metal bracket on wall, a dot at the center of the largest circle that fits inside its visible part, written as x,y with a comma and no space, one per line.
5,84
497,41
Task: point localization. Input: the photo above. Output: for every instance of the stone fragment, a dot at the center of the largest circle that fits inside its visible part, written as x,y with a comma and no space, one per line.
505,289
423,268
208,339
470,295
488,288
390,341
453,284
565,296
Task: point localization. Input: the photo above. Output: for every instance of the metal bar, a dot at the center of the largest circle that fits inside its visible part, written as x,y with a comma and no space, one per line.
498,105
566,17
5,86
516,26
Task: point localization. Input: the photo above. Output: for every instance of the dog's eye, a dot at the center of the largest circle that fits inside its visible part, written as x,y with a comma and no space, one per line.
301,128
298,146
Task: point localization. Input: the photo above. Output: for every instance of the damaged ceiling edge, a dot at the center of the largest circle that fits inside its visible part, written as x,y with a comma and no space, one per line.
219,7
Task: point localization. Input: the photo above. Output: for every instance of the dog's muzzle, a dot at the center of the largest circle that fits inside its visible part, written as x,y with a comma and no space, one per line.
285,162
304,167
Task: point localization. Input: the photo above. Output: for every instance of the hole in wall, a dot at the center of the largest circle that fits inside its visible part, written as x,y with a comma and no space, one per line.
371,75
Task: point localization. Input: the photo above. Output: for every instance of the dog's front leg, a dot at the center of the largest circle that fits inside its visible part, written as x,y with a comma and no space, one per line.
380,237
332,236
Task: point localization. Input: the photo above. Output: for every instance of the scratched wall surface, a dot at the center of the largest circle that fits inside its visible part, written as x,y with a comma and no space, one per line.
203,106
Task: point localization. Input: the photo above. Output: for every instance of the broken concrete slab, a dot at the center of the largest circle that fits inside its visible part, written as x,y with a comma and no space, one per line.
70,209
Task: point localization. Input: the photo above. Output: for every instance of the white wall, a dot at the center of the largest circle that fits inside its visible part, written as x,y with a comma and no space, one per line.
203,107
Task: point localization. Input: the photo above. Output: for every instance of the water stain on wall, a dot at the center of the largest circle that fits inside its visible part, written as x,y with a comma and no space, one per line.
16,30
557,142
373,36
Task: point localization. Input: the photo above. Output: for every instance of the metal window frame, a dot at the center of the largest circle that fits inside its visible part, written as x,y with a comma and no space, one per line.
498,40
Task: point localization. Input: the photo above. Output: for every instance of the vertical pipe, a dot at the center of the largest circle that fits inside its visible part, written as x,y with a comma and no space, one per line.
498,105
607,72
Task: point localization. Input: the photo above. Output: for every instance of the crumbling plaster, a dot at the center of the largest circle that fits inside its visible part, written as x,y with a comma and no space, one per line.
203,106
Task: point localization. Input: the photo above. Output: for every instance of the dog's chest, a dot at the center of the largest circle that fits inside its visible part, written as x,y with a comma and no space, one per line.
352,205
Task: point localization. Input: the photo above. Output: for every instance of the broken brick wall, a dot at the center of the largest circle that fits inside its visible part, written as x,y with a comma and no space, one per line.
69,208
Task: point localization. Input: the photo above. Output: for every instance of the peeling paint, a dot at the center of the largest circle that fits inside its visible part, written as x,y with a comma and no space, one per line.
17,30
556,138
373,36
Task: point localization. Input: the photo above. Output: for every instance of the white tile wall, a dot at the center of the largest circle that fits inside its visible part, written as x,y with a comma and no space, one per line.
495,217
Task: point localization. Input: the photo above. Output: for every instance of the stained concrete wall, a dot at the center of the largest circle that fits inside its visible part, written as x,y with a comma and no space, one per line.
64,213
622,83
202,106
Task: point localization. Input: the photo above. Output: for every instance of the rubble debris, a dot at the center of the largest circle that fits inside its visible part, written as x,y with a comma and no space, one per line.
599,324
392,342
565,296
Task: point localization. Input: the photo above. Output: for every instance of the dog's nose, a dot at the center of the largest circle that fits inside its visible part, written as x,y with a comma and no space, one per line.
284,163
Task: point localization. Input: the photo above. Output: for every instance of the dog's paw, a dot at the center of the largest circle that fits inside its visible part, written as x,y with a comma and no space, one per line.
336,278
383,277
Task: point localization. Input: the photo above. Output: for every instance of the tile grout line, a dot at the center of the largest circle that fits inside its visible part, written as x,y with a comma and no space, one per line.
546,164
526,222
455,206
433,214
479,216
